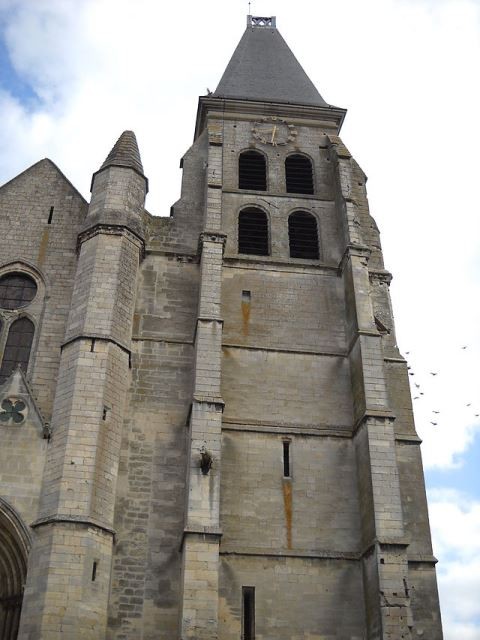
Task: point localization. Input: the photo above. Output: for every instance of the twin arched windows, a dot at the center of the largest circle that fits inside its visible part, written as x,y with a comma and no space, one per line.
17,290
253,236
252,172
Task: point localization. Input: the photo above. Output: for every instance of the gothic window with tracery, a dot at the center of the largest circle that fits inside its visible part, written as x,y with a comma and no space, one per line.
17,290
17,347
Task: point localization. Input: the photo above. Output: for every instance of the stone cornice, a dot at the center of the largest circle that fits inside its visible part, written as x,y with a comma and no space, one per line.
329,116
114,230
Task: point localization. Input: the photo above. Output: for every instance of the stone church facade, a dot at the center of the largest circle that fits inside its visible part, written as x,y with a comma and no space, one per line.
206,425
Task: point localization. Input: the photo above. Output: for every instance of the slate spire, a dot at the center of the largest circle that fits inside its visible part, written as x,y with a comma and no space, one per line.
125,153
264,68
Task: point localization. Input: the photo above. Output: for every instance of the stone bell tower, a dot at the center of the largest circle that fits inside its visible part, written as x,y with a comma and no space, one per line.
313,519
206,423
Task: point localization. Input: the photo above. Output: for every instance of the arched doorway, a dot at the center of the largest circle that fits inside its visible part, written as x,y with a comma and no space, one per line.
15,543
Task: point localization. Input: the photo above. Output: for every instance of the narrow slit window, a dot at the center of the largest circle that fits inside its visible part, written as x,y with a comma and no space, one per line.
94,570
248,613
17,347
298,174
286,459
50,215
253,232
252,171
303,236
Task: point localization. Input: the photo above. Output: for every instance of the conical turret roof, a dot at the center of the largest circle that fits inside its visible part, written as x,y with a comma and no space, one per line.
264,68
125,153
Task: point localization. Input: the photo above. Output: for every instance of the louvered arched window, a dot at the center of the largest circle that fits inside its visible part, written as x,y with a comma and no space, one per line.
298,174
17,348
303,236
253,232
252,171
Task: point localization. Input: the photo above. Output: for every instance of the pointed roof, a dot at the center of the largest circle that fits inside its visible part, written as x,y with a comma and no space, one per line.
264,68
125,153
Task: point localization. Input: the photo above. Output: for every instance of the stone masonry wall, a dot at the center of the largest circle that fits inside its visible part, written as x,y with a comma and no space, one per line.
47,253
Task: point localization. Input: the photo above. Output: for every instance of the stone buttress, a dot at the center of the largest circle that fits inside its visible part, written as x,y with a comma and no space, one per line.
201,538
67,589
388,558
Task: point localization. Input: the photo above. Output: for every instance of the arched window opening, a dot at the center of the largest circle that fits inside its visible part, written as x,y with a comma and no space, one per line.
17,348
252,171
253,232
303,236
298,174
14,547
17,290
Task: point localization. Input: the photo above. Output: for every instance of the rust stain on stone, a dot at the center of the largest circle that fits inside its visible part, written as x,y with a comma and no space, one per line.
287,502
43,246
245,317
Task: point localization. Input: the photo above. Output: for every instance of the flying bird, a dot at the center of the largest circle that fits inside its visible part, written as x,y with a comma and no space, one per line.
434,423
435,411
416,397
417,385
469,404
433,373
464,347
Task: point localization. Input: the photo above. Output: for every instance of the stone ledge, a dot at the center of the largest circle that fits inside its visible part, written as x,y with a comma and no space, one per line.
68,519
93,336
330,354
406,438
212,532
234,424
111,229
310,555
385,414
272,194
272,263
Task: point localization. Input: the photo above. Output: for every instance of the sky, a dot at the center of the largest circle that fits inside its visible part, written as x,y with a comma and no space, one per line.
75,73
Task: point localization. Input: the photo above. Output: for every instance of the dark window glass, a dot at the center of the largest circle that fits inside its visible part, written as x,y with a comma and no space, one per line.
303,236
286,459
298,174
248,611
253,232
17,348
16,291
252,171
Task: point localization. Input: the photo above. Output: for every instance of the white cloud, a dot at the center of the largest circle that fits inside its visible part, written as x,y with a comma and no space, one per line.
455,522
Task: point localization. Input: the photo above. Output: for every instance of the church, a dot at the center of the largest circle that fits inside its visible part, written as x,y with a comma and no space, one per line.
206,423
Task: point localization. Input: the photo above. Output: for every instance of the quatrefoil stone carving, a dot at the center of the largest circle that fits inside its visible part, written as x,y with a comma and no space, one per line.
12,410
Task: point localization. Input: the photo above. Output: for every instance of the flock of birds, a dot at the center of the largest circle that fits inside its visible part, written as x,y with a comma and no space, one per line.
418,392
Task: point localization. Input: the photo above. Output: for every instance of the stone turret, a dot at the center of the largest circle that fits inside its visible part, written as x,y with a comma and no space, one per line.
80,482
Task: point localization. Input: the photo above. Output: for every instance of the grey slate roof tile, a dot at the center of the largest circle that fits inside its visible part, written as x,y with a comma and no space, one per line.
264,68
